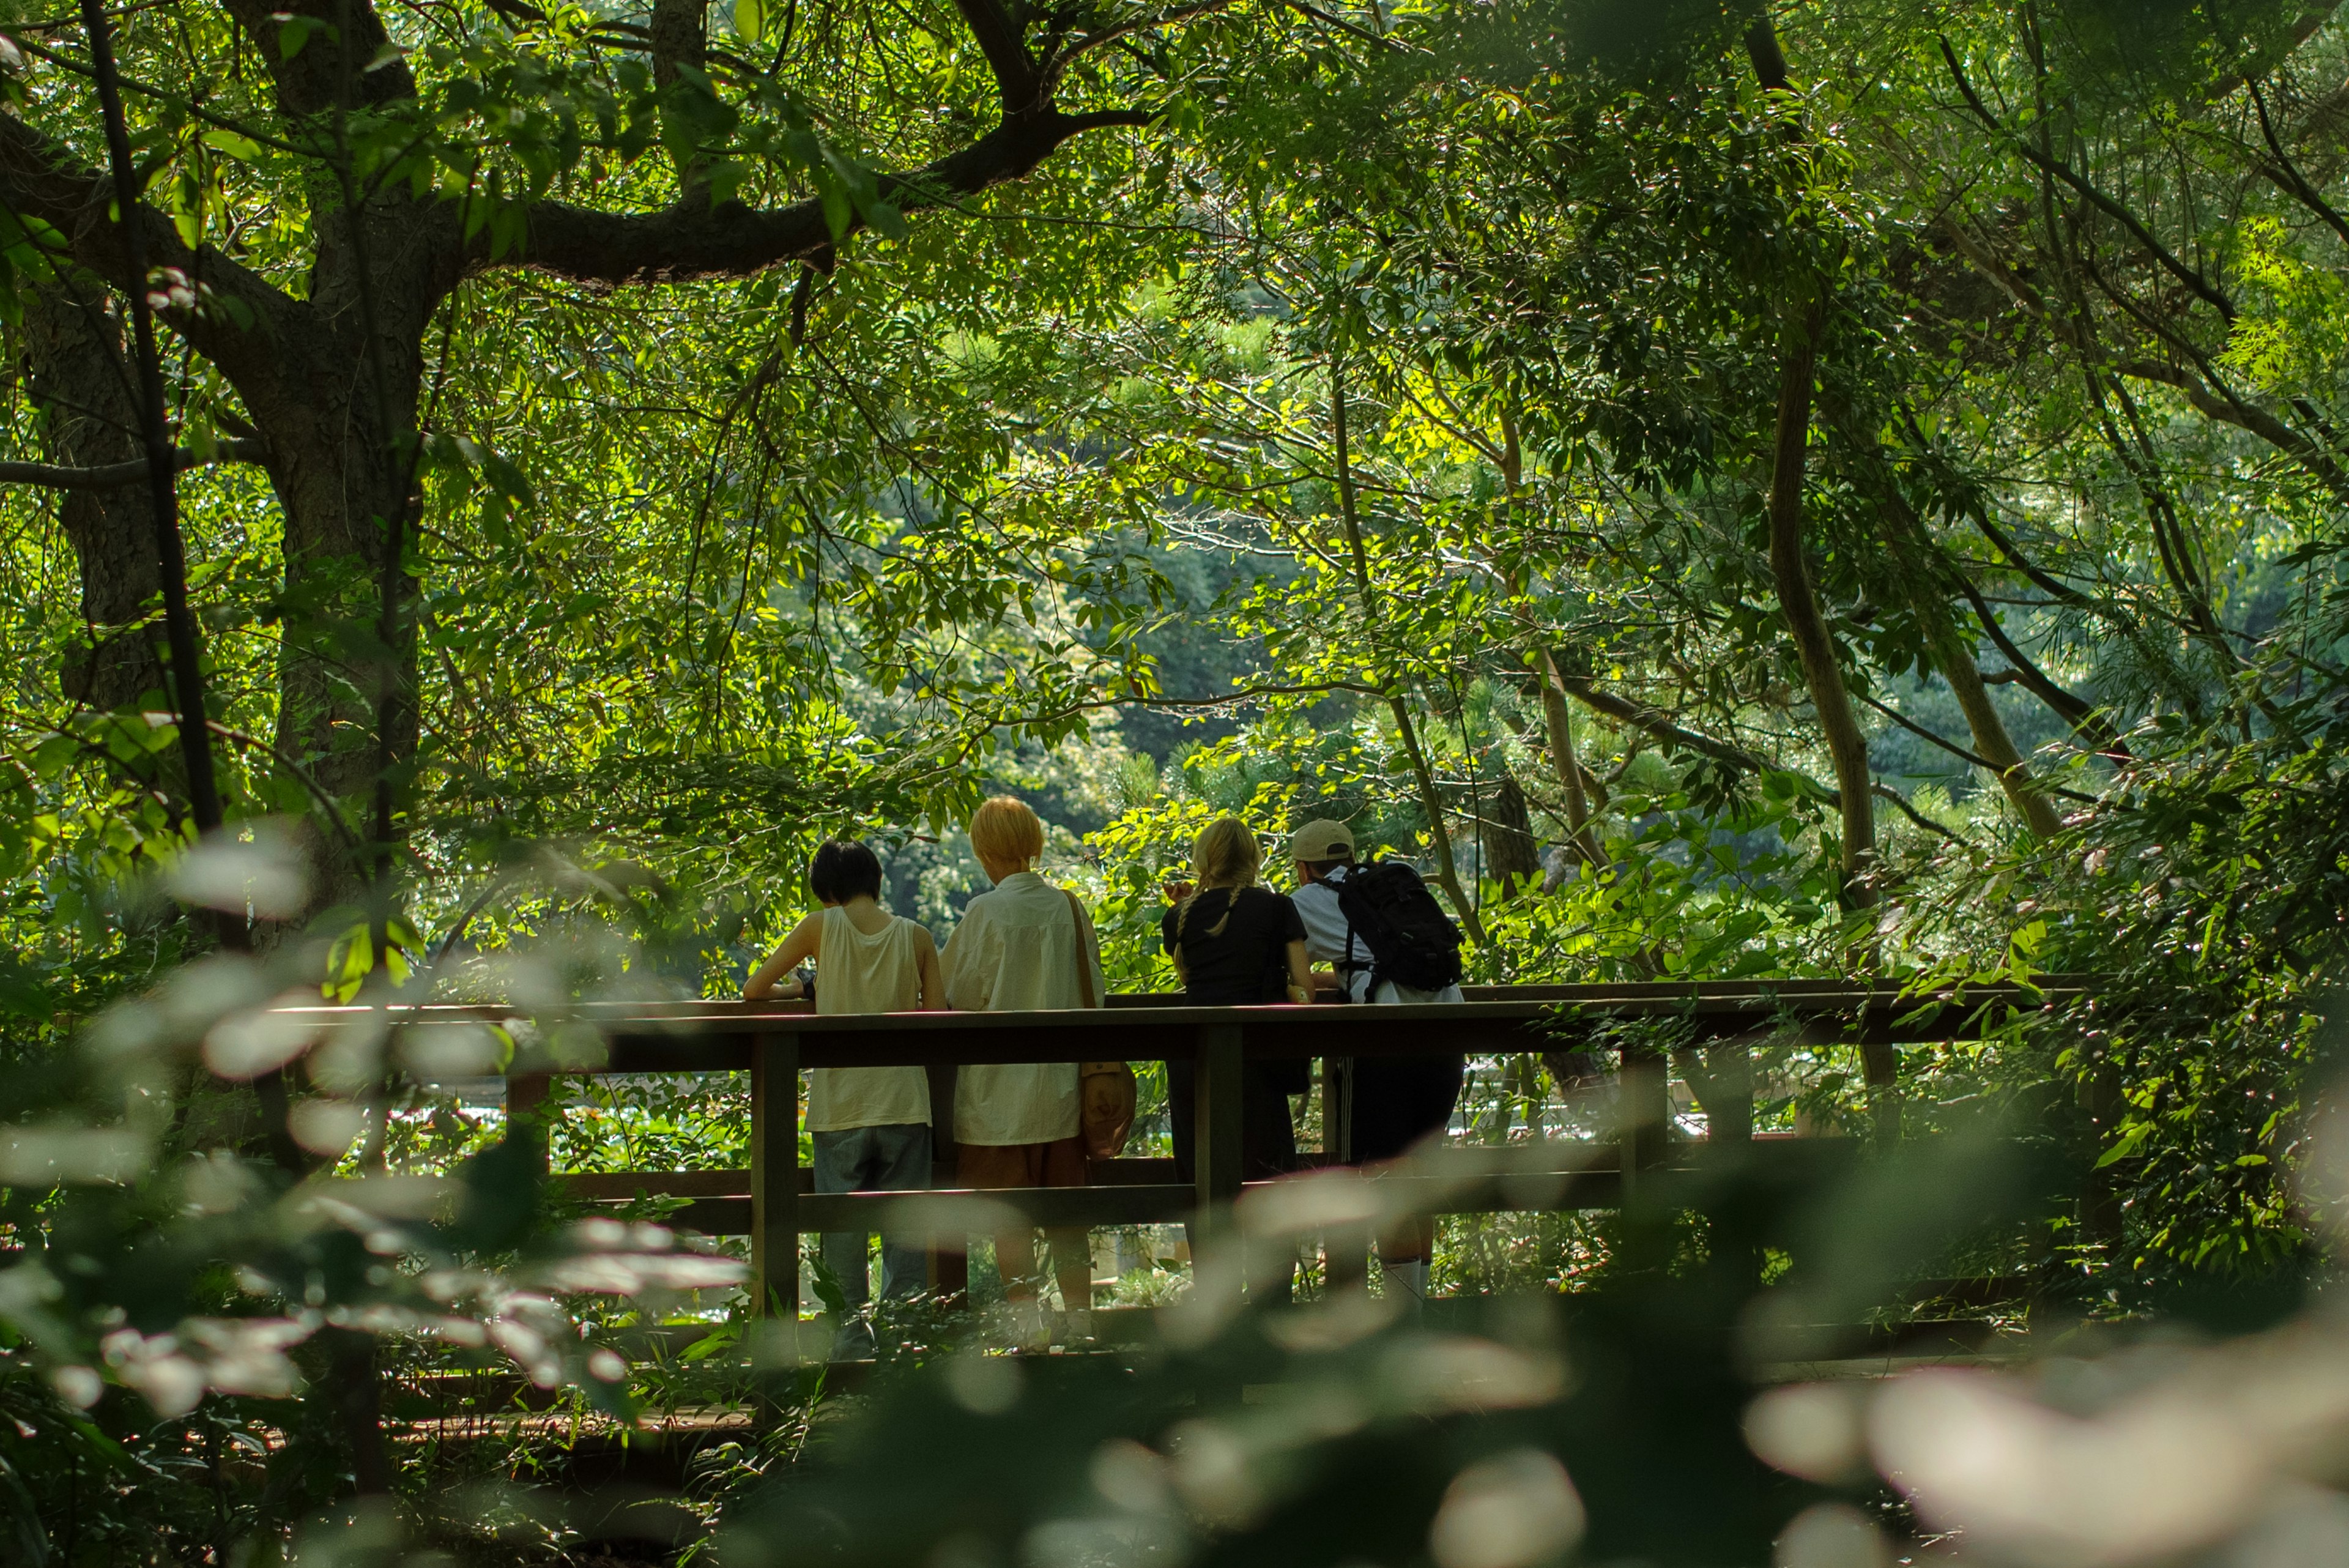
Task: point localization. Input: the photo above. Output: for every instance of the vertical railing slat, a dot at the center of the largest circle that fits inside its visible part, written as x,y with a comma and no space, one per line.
775,1175
1215,1159
1643,1113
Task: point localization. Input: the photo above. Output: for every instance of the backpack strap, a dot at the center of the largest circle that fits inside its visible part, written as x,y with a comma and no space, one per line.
1346,969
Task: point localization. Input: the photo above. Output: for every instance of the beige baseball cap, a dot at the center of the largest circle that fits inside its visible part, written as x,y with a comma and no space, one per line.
1322,839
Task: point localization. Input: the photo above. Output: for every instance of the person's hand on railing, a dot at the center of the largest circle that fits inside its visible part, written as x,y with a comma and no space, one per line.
791,988
1298,989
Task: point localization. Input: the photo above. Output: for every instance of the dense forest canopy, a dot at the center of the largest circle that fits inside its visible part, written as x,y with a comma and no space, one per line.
1834,488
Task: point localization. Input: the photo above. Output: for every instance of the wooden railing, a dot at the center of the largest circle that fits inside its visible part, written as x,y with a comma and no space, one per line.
771,1202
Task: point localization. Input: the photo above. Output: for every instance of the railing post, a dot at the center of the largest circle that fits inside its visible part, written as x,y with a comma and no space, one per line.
775,1177
1345,1249
1881,1065
949,1267
1215,1131
1729,1109
1643,1115
525,1094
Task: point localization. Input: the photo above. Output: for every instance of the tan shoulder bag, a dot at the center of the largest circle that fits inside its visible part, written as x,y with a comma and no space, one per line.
1106,1092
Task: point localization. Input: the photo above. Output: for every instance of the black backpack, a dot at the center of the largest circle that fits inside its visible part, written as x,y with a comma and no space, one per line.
1389,910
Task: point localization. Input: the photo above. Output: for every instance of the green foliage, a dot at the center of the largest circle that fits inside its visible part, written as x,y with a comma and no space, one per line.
1043,489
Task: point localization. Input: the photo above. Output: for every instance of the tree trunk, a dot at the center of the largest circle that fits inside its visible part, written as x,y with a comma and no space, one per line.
1510,853
1798,601
1581,842
1992,743
81,381
340,425
1815,646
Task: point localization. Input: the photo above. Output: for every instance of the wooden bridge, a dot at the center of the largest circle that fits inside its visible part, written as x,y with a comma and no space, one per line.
772,1203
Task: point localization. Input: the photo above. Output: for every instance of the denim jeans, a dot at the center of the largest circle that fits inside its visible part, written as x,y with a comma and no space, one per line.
893,1159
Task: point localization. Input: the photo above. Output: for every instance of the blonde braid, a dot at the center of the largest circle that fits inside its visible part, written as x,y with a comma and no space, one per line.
1227,855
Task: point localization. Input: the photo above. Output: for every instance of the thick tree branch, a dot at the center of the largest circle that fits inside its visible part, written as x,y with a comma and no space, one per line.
40,179
997,31
690,242
1661,725
122,476
2088,723
343,55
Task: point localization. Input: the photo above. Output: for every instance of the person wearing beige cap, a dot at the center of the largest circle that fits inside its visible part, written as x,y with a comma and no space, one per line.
1393,1101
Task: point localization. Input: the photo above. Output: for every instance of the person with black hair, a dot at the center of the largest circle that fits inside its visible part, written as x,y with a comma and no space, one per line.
870,1125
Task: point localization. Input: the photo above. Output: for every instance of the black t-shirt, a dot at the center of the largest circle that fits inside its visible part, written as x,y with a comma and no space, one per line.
1247,961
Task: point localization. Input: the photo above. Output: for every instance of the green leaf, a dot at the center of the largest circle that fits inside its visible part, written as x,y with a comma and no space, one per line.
2132,1135
55,754
749,19
293,31
227,143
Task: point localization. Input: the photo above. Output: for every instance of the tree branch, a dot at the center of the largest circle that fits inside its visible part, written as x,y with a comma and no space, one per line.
2057,169
1659,724
1655,721
690,242
41,180
2221,404
2086,722
998,34
1929,737
1961,752
1899,803
122,476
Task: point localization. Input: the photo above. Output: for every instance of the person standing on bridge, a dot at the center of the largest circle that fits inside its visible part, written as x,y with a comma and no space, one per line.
870,1125
1392,1103
1026,945
1237,943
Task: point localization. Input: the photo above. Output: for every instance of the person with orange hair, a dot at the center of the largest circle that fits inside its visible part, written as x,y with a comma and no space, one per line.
1026,944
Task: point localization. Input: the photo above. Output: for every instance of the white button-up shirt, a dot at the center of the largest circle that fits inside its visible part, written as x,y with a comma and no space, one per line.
1016,949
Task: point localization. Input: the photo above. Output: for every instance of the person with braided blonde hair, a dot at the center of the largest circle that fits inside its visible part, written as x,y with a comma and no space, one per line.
1237,943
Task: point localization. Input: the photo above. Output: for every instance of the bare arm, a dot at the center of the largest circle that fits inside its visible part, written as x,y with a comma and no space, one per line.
797,949
1300,973
933,979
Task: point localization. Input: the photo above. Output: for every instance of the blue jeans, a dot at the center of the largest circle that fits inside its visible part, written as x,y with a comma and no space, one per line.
893,1159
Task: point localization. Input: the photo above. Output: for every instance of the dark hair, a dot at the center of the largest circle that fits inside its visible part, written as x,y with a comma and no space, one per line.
1323,868
842,869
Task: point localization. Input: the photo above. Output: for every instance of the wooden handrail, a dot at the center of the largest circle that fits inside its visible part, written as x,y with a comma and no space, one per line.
720,1036
773,1042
